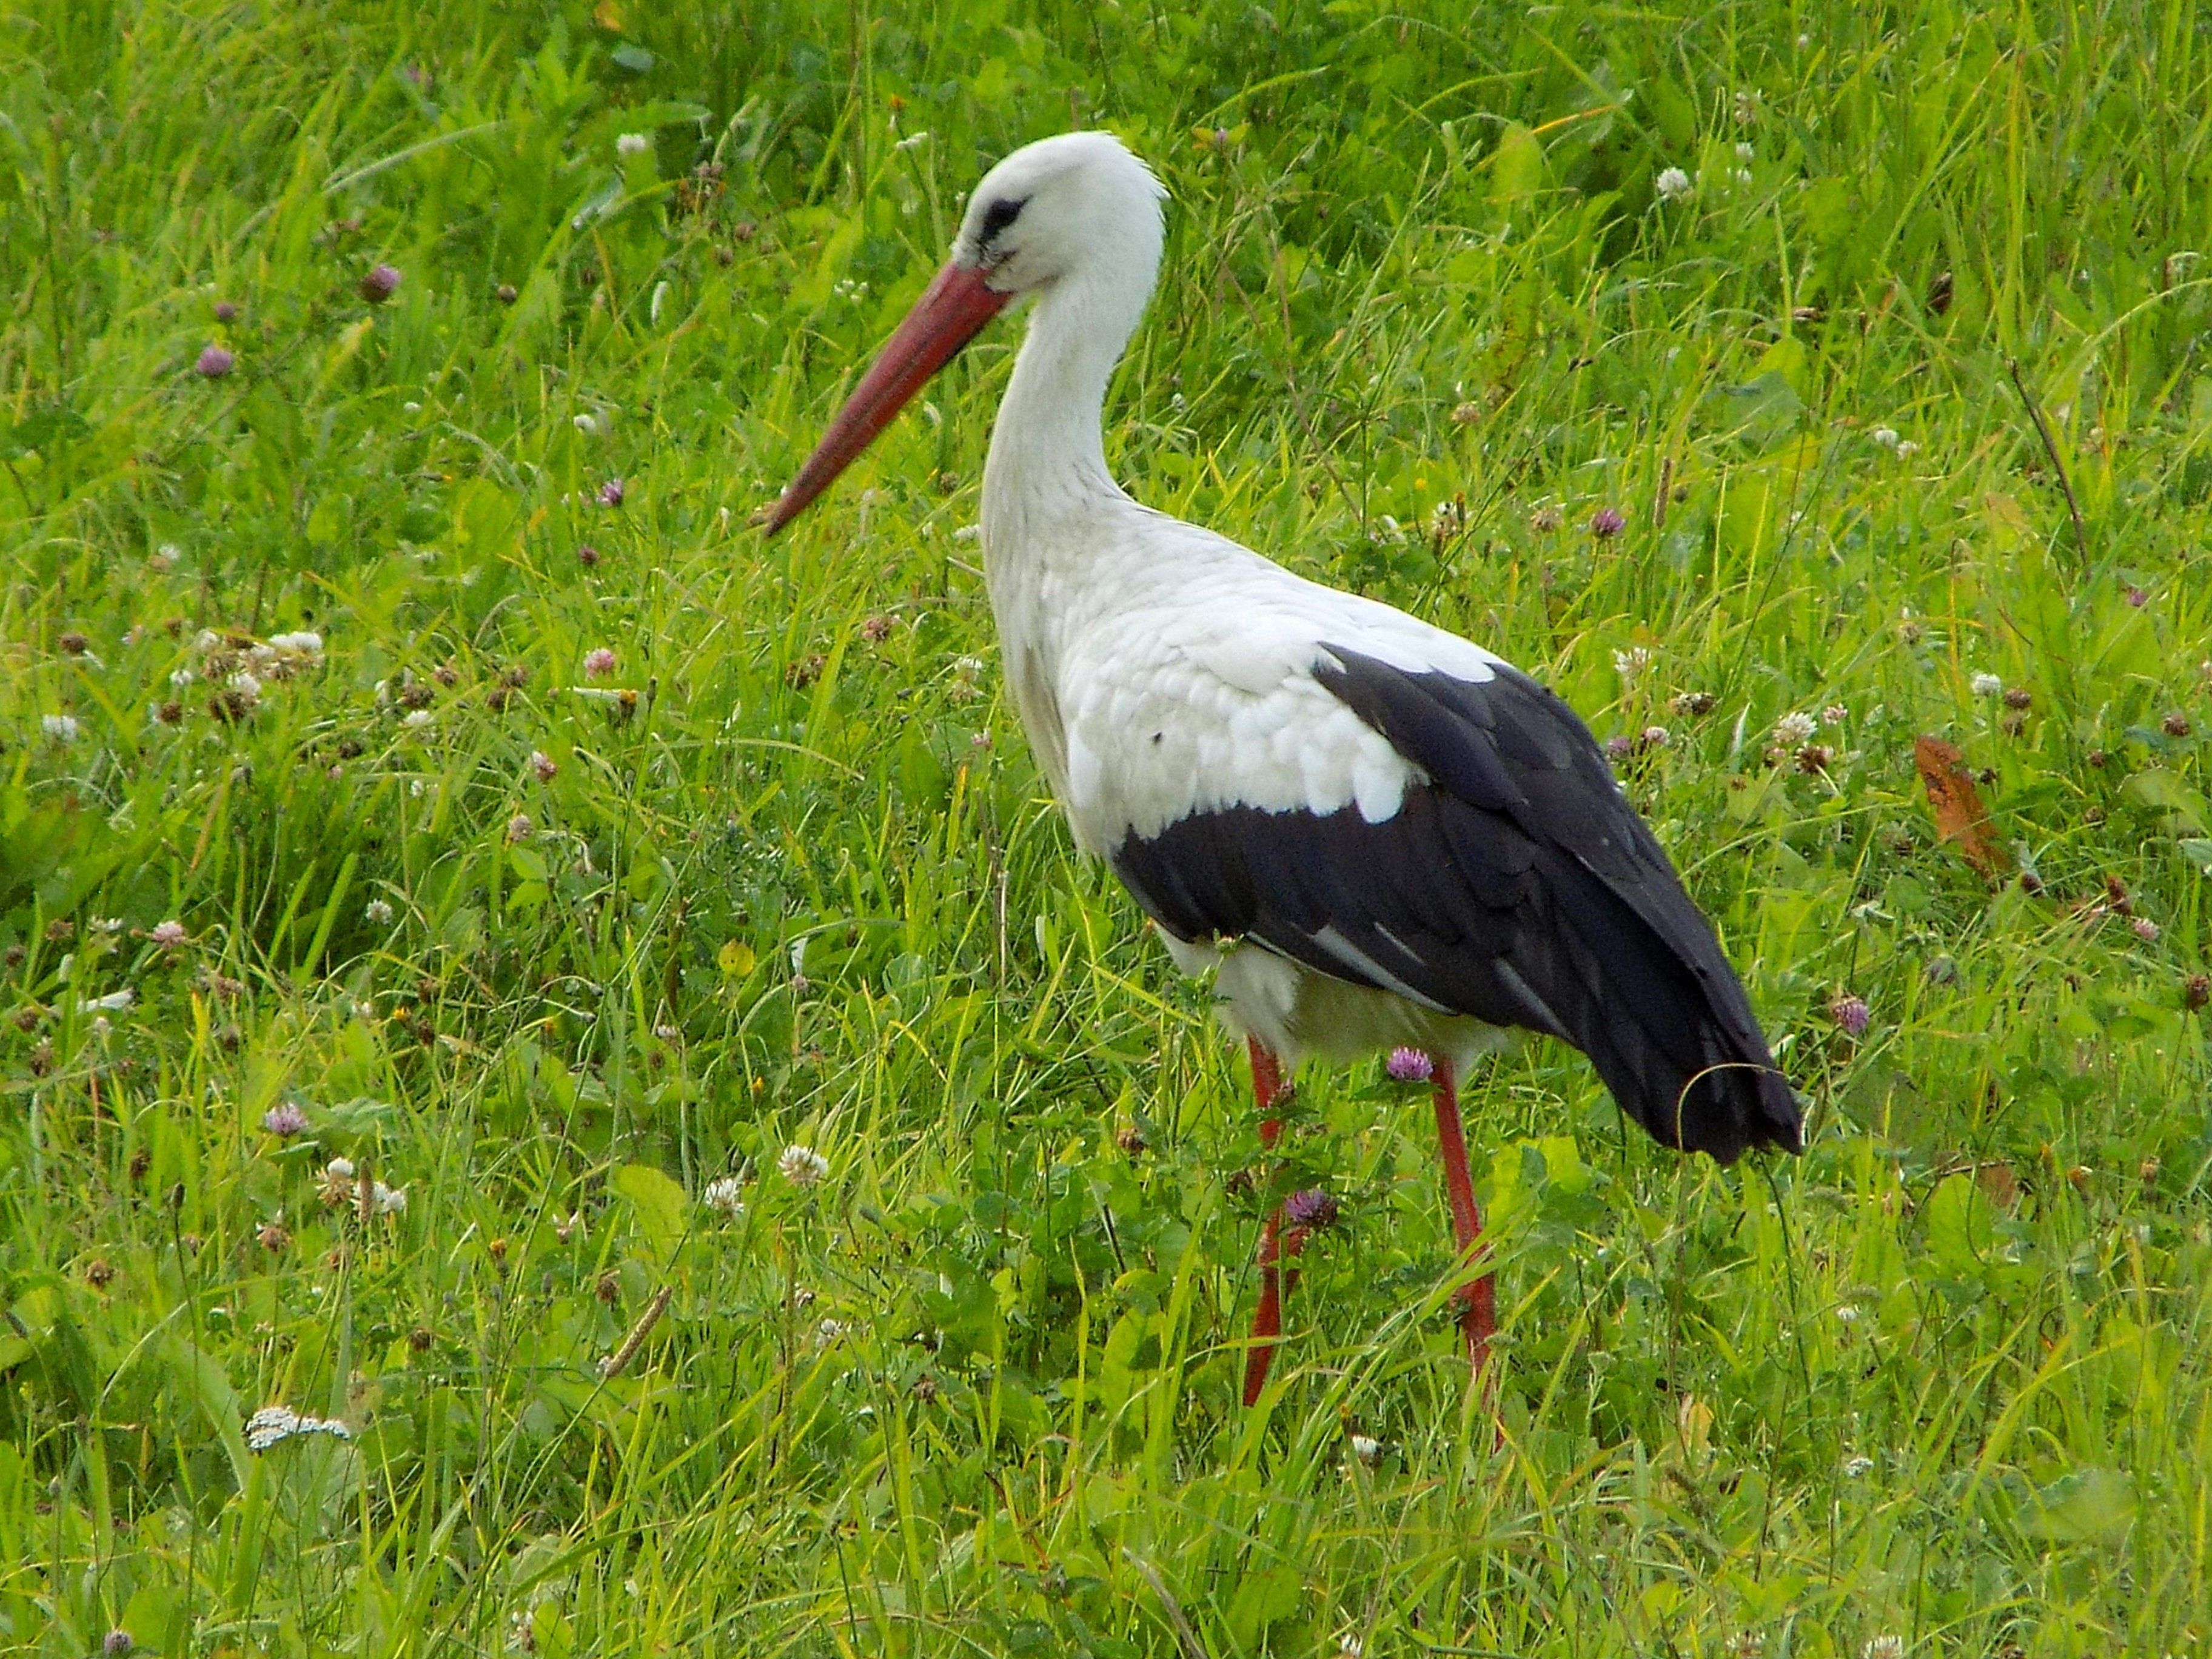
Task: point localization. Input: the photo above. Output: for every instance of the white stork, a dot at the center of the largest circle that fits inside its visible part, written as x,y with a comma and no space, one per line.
1413,842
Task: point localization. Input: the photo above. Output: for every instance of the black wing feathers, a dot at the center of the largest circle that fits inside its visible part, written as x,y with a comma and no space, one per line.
1516,887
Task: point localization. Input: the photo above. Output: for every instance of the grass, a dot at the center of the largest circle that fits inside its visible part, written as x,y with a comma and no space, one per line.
1907,391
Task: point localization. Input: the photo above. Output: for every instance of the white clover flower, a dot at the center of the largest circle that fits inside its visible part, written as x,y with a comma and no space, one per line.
1367,1448
1885,436
247,687
182,678
339,1169
415,720
1987,685
1849,1313
269,1425
168,934
1795,728
725,1197
1884,1647
388,1201
1631,664
59,728
377,913
1672,184
968,532
632,143
831,1332
273,1425
304,643
1743,152
802,1166
1906,446
1856,1467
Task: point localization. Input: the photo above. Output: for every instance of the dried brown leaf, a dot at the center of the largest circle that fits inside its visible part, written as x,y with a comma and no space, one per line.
1999,1184
1959,812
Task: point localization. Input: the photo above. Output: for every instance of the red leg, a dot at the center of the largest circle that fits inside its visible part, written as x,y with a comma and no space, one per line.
1477,1298
1267,1317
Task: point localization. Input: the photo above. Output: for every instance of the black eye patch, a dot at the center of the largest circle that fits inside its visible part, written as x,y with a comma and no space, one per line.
997,216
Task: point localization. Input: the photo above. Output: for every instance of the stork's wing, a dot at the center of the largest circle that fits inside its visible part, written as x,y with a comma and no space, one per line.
1513,884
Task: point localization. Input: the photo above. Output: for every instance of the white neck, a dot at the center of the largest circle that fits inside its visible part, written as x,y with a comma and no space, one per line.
1047,456
1048,497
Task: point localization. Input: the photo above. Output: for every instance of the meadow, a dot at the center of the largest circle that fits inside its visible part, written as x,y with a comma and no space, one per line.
563,1091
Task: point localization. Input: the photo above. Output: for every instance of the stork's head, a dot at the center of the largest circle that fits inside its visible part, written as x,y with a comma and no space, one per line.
1062,207
1078,209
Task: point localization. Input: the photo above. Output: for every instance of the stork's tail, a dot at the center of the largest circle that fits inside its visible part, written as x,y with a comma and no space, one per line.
1663,1018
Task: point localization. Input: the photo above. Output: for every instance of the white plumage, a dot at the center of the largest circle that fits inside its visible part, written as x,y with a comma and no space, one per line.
1369,831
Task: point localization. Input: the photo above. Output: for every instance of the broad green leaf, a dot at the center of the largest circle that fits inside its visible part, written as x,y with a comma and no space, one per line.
2090,1506
1516,168
659,1202
660,112
363,1118
1958,1219
1265,1598
155,1618
1787,359
2164,792
202,1379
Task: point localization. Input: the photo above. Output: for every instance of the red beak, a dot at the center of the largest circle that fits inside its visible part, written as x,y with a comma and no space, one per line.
956,306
